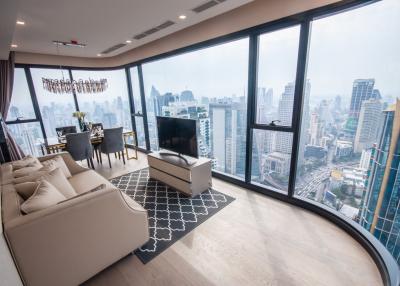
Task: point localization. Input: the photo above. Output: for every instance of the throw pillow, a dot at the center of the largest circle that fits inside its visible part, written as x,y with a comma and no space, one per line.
32,177
45,195
58,180
26,171
26,161
25,190
58,162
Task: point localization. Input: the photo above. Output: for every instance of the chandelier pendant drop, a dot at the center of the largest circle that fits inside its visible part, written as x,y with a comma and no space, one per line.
63,85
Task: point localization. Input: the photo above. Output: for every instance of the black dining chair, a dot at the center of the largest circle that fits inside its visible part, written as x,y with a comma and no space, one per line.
61,131
113,143
80,147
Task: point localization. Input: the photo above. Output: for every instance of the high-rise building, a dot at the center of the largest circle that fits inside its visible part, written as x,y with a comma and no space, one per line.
368,124
316,130
228,136
285,110
363,89
381,205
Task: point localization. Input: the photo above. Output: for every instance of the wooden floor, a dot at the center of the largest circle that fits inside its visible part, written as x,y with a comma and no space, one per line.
256,240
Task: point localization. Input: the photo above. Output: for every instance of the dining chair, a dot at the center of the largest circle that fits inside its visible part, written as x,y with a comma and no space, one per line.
113,143
61,131
80,147
96,131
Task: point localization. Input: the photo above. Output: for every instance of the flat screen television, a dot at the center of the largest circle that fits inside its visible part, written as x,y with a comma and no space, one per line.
178,135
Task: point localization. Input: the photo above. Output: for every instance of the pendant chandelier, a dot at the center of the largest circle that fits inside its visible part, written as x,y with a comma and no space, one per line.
63,85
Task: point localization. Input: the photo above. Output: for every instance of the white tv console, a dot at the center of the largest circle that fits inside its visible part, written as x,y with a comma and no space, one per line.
191,179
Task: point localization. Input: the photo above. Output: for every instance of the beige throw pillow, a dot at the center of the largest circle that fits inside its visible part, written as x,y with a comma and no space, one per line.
45,195
25,190
32,177
58,162
25,162
58,180
26,171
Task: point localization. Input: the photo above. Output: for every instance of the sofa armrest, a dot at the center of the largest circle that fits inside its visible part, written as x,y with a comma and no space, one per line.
68,243
73,167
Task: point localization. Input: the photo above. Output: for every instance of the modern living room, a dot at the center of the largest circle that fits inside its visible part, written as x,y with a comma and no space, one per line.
200,142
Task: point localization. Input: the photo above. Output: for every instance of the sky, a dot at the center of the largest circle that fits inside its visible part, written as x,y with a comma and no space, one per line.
360,43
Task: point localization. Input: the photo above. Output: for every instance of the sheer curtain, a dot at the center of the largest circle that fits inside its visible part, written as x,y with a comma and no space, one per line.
6,86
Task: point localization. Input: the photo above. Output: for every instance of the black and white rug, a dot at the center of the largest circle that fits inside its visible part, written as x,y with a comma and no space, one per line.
171,214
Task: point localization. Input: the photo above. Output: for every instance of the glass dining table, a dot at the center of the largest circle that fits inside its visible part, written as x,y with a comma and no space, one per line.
57,144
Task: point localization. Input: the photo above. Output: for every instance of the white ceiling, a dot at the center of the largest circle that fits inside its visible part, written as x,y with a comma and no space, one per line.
102,24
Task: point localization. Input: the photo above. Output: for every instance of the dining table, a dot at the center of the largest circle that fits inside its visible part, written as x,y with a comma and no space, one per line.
54,145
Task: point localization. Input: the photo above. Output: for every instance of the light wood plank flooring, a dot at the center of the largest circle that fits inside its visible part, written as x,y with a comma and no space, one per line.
256,240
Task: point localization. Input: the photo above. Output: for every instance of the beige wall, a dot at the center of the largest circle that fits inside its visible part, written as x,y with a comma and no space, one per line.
249,15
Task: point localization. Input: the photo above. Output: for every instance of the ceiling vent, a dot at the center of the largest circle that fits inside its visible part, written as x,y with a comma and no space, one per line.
164,25
207,5
113,48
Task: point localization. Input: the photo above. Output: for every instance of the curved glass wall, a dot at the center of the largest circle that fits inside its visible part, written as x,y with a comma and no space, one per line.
354,76
246,92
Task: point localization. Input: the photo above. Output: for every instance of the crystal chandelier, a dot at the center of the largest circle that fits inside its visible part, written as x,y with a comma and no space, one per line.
80,86
68,86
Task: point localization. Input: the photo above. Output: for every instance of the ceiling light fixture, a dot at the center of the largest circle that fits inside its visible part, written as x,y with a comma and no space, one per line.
63,85
182,17
19,22
14,46
99,55
128,41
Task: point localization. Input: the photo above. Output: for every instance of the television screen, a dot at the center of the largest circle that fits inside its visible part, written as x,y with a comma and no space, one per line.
178,135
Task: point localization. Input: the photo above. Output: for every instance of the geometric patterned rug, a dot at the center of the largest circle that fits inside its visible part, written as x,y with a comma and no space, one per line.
171,214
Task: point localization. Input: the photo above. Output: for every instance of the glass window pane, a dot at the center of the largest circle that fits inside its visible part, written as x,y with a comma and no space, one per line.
140,132
110,107
209,85
21,102
136,90
276,75
271,158
348,126
28,136
56,109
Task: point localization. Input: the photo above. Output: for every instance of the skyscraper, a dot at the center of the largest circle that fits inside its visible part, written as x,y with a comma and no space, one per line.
363,89
228,136
381,205
368,124
316,130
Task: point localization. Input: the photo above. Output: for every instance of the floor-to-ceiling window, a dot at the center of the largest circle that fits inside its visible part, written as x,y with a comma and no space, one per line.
209,85
110,107
138,109
272,133
56,109
354,77
21,118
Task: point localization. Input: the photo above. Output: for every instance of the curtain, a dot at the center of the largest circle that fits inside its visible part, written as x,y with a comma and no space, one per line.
6,86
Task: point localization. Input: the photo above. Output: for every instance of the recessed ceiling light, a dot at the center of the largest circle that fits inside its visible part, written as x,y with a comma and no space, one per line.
182,17
99,55
19,22
128,41
14,46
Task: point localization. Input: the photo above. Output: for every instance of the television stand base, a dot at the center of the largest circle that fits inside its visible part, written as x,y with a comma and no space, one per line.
189,179
176,155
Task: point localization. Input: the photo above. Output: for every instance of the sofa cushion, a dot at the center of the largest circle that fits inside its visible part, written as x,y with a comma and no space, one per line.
45,195
57,162
58,180
25,162
26,189
88,180
26,171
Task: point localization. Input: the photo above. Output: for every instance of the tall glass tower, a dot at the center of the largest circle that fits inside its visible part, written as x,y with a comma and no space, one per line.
381,208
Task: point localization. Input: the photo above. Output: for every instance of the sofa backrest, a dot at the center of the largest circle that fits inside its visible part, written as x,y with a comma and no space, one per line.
8,271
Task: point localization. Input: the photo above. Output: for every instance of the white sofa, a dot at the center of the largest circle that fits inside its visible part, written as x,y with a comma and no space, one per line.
68,243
